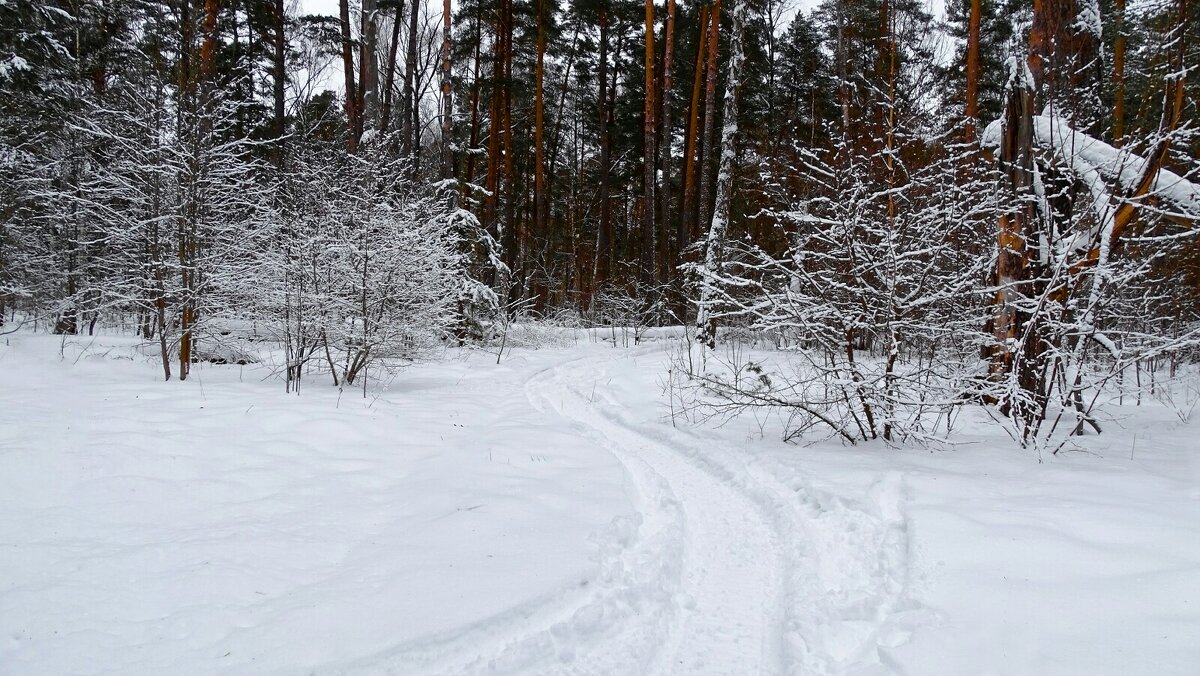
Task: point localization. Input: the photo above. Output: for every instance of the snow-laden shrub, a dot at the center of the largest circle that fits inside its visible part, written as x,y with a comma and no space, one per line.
871,297
367,266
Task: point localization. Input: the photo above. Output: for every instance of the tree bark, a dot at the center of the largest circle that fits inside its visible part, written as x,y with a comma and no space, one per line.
353,114
668,252
687,231
473,142
714,252
412,110
649,156
843,63
708,149
279,77
495,127
1118,76
188,244
539,159
516,237
971,107
389,72
604,234
1012,269
368,62
447,99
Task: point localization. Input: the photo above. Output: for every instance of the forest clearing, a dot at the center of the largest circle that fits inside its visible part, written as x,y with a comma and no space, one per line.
599,337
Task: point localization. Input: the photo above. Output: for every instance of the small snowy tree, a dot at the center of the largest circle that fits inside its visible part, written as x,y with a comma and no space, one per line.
370,269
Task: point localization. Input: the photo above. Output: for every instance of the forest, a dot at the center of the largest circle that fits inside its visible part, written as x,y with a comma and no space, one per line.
993,204
574,337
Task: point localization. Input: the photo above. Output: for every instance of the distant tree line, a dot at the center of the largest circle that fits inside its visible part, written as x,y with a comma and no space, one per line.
1010,182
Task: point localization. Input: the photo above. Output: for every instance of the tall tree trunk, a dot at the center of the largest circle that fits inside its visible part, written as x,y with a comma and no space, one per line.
368,62
539,153
518,241
971,108
649,157
389,72
495,125
185,55
556,136
208,49
473,143
353,114
412,110
1012,273
188,244
1118,76
714,252
447,100
687,231
709,148
843,59
279,77
889,160
182,120
604,234
668,252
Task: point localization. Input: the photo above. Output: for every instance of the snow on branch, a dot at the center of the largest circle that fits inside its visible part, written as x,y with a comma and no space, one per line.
1123,167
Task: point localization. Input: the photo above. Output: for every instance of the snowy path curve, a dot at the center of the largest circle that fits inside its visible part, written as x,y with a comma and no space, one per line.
729,566
727,614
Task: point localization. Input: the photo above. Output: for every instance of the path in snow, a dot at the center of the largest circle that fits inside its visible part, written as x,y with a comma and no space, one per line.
725,570
335,536
731,612
728,613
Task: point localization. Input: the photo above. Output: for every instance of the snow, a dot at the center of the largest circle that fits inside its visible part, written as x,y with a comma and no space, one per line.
11,64
1081,565
1111,163
1086,562
547,515
220,525
1088,19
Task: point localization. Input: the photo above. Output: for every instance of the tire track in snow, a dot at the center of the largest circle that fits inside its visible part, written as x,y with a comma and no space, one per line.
844,591
610,623
728,568
729,613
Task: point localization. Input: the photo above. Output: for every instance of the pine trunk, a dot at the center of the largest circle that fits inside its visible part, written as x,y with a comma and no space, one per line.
279,78
495,124
709,149
668,252
604,234
368,62
447,97
687,224
971,109
353,120
1118,76
649,157
413,111
714,252
389,71
539,159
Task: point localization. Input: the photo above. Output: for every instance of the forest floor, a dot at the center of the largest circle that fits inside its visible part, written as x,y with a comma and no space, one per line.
547,515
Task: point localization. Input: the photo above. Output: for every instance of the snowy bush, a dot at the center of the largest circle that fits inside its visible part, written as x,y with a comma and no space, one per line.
368,267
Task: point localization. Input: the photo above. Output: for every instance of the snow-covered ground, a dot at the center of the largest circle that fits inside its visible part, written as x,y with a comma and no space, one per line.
544,515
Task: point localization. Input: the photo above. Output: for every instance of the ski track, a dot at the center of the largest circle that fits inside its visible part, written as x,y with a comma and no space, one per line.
727,567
